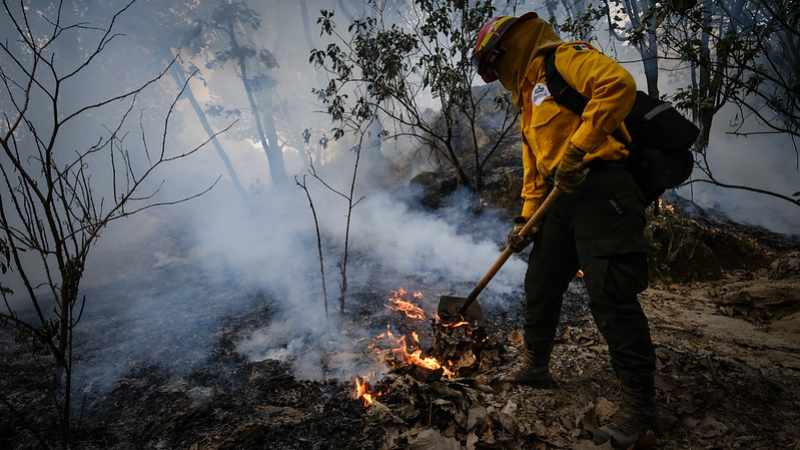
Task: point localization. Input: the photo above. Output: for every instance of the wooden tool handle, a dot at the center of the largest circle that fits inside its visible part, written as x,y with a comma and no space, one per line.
507,252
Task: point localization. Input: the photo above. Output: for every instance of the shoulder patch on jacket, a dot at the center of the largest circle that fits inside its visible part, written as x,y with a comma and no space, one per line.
581,47
539,93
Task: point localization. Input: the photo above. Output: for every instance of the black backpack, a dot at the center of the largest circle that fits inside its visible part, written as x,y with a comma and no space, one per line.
660,156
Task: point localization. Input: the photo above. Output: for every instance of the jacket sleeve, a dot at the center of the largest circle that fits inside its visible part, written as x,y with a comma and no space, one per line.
534,187
611,91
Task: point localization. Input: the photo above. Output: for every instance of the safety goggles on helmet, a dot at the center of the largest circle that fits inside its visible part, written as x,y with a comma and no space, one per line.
487,49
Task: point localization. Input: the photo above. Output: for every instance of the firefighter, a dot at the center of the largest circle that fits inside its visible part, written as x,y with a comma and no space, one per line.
597,225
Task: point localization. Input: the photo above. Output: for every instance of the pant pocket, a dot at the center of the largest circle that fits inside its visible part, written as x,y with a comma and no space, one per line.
617,277
610,224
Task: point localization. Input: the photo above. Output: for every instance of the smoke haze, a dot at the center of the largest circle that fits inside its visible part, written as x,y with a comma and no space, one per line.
159,284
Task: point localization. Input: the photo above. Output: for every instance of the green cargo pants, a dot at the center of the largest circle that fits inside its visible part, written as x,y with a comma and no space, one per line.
599,229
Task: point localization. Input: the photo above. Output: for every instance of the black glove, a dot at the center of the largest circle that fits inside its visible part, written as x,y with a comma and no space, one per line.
571,171
517,242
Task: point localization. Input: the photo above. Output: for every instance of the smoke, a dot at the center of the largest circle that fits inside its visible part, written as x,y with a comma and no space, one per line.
761,161
160,285
164,282
414,242
391,243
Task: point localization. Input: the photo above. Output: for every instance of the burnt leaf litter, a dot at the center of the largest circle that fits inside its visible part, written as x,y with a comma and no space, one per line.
727,344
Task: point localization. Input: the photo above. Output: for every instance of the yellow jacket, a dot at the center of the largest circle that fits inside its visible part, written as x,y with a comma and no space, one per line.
548,127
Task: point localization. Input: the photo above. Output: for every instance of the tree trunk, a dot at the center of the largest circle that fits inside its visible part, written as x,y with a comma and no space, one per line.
650,61
637,11
180,79
552,6
347,14
68,382
306,24
277,170
651,52
64,373
71,274
272,134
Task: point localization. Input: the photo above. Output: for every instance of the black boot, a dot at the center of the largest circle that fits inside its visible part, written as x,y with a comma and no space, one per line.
633,425
531,374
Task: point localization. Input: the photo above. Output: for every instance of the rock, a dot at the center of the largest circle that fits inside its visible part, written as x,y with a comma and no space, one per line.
502,187
787,266
433,187
431,439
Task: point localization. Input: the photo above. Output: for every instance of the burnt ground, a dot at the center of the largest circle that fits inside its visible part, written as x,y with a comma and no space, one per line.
728,353
228,403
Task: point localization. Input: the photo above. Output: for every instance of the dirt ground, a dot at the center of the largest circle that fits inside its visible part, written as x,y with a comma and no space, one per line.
722,382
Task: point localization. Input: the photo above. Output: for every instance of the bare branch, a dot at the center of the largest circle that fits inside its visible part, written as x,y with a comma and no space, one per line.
791,200
125,95
303,185
104,40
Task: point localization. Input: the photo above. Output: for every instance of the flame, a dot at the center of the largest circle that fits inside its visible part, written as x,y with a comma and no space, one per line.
400,352
398,302
460,324
397,350
362,392
427,362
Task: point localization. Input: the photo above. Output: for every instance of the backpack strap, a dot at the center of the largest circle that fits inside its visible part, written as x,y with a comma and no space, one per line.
562,92
566,95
